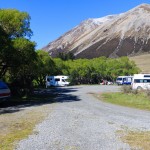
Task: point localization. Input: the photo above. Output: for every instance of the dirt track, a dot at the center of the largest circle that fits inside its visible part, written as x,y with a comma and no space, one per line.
80,121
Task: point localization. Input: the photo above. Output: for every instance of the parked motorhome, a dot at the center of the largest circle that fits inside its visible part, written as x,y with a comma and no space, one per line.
141,81
124,80
57,81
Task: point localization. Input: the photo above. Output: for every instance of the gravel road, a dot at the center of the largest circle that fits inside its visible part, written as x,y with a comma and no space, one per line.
79,121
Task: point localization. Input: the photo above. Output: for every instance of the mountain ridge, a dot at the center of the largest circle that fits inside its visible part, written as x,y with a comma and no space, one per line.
114,36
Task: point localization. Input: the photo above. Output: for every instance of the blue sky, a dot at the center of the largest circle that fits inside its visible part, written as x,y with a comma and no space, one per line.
52,18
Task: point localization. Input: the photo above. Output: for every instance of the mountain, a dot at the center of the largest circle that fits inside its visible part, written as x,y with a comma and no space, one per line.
125,34
66,41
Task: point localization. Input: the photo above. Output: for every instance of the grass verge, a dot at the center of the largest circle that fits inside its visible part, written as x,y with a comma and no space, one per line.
18,125
140,100
136,139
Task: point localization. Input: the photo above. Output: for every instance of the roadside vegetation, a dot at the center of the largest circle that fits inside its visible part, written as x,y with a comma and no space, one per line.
19,122
136,139
93,71
17,126
129,98
136,99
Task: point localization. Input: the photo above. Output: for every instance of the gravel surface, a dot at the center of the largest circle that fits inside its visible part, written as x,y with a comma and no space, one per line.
79,121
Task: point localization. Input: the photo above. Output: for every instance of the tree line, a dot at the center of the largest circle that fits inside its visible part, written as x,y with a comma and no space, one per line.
24,67
93,71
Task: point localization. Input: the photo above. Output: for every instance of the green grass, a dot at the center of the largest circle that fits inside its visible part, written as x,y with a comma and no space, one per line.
15,127
140,100
20,128
136,139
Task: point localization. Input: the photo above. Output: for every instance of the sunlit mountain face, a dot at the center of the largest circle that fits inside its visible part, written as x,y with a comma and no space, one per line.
125,34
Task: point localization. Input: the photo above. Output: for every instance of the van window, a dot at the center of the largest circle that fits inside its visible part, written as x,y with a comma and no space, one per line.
57,79
63,80
147,76
120,79
129,79
146,81
138,81
141,81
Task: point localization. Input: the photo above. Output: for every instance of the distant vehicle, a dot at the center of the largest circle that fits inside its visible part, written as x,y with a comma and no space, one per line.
105,82
124,80
57,81
109,83
141,81
5,92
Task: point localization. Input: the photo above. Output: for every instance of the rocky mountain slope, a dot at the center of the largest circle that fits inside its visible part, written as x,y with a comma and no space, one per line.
111,36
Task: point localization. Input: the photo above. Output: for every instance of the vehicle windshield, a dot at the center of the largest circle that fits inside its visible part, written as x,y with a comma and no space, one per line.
63,80
119,79
3,85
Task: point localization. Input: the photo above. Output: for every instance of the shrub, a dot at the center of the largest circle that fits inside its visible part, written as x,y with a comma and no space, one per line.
148,92
126,89
134,91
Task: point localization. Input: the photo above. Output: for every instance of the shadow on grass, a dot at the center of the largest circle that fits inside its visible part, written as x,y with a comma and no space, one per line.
40,97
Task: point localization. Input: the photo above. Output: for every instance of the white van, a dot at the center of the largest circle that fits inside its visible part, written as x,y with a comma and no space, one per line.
57,81
141,81
124,80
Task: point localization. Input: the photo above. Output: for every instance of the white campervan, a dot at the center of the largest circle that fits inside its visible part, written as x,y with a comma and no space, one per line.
57,81
124,80
141,81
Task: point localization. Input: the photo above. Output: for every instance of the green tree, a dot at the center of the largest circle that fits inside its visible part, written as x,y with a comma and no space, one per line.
92,71
5,52
45,66
15,23
22,72
66,56
61,67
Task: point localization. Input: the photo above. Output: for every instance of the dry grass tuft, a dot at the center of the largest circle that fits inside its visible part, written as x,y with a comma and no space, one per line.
19,125
142,61
136,139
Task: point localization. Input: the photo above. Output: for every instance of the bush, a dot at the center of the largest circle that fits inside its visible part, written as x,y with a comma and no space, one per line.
135,91
148,92
126,89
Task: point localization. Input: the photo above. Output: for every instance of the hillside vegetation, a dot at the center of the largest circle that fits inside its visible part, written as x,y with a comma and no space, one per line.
143,62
